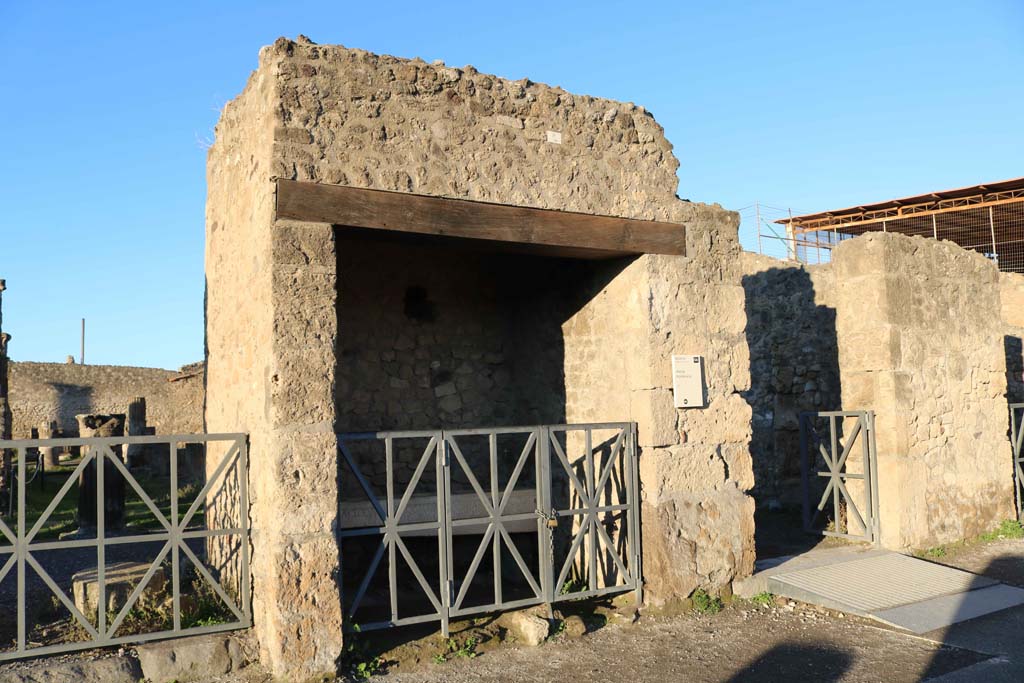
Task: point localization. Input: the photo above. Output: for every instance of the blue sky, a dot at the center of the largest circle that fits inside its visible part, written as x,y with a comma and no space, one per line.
808,105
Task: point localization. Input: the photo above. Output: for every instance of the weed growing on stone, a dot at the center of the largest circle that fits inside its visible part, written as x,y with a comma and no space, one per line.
763,599
358,662
558,630
453,648
1008,528
704,603
205,607
370,667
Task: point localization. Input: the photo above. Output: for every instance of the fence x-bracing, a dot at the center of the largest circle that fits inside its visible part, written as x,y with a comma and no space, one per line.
840,489
442,524
95,553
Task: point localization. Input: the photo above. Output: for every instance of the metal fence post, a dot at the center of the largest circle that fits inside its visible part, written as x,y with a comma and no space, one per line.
873,481
633,510
176,540
101,550
546,535
1016,441
243,513
444,553
22,550
805,476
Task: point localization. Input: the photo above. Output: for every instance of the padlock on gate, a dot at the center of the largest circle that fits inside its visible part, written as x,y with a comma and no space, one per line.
551,518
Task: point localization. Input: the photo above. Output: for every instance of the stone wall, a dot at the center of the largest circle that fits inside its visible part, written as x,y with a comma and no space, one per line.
445,337
695,466
351,117
270,335
921,342
347,117
794,366
923,333
43,392
1011,288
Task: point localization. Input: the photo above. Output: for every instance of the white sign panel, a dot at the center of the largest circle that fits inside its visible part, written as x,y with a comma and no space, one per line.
688,381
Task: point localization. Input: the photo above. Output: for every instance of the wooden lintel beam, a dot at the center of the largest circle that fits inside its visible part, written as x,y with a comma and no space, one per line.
420,214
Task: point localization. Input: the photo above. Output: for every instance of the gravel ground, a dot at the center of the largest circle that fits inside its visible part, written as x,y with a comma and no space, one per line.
1002,560
742,643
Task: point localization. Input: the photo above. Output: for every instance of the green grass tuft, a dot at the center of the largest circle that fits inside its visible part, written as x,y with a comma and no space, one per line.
1008,528
704,603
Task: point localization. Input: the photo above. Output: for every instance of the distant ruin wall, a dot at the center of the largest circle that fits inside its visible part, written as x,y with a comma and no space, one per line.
41,392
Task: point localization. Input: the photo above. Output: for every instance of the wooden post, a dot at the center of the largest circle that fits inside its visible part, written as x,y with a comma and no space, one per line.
992,230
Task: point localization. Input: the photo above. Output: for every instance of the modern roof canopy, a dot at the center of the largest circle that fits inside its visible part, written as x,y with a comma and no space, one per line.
988,218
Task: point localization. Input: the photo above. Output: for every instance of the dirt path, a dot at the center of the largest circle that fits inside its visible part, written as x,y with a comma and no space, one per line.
742,643
1002,560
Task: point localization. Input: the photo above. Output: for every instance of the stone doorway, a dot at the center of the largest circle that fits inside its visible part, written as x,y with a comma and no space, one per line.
447,333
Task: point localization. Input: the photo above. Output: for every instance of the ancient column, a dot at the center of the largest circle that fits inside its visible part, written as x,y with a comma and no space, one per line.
51,456
135,455
113,483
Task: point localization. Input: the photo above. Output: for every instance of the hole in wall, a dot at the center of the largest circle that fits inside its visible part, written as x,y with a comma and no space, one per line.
418,305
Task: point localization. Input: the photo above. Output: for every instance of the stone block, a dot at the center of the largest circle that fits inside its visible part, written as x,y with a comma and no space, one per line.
120,579
183,660
117,669
656,418
527,626
574,627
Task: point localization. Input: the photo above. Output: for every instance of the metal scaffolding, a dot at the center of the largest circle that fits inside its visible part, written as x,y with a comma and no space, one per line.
986,218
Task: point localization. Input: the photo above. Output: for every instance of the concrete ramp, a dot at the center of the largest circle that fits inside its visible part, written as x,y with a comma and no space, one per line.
905,592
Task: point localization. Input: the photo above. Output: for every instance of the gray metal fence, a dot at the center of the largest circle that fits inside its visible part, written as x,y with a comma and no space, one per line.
1017,440
192,525
498,518
828,473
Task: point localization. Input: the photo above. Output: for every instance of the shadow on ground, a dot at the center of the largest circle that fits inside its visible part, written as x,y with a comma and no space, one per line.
796,662
997,635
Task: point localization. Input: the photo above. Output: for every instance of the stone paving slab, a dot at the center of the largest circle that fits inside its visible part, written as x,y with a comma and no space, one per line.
936,613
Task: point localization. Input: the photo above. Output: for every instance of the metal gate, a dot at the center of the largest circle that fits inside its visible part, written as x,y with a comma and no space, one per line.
442,524
183,527
846,489
1017,439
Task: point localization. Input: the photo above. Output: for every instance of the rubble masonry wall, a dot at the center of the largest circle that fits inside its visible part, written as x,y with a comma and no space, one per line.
44,392
333,115
794,366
